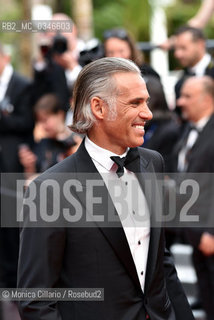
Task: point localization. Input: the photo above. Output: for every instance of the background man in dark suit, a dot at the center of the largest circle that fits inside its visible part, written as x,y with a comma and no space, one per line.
197,156
190,51
127,260
16,116
16,128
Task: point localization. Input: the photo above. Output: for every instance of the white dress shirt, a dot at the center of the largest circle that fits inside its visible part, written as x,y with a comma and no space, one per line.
132,207
200,67
5,79
70,75
191,140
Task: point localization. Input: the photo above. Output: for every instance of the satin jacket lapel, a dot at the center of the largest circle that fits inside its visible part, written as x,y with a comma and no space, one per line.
11,87
144,170
203,136
114,234
147,172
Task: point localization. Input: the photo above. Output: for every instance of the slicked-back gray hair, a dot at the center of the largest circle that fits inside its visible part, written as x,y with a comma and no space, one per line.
96,80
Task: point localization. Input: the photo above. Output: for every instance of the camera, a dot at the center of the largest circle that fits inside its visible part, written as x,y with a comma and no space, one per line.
59,46
93,51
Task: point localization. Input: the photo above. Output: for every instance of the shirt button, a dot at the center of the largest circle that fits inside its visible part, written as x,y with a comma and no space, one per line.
126,183
133,211
141,273
139,242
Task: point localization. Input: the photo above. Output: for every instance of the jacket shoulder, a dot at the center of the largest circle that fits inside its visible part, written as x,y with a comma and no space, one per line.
154,156
18,78
59,171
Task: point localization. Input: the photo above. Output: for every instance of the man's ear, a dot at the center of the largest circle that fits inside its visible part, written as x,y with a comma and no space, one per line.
201,44
98,107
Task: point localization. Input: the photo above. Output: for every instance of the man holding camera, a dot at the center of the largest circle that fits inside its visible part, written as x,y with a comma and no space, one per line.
57,67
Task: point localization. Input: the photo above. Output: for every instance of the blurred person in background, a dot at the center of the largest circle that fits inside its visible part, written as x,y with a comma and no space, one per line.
69,59
190,51
199,21
57,65
16,127
118,43
162,132
16,115
58,143
194,153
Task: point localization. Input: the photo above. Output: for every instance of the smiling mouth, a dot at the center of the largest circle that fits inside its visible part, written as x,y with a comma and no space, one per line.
141,127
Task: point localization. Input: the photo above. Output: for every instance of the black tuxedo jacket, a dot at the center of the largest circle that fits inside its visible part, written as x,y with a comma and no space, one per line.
17,126
51,80
201,155
98,257
201,158
200,161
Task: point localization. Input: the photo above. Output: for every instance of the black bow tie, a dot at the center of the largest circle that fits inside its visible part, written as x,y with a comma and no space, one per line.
125,161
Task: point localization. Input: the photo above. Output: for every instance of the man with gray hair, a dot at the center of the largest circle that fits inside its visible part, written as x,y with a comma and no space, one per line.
110,250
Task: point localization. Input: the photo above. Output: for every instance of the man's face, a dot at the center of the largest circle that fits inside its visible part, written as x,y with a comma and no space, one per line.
191,100
187,51
126,127
51,123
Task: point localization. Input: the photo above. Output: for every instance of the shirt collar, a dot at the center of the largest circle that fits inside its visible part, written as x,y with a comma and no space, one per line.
6,74
100,155
201,123
200,67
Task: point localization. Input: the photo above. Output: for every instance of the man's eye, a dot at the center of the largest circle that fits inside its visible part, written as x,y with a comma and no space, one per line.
136,103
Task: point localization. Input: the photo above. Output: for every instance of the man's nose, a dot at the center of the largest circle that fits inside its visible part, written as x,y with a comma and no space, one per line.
146,113
179,102
177,54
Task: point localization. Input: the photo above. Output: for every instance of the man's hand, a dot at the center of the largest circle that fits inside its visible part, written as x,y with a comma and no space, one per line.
168,44
206,245
27,158
66,60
